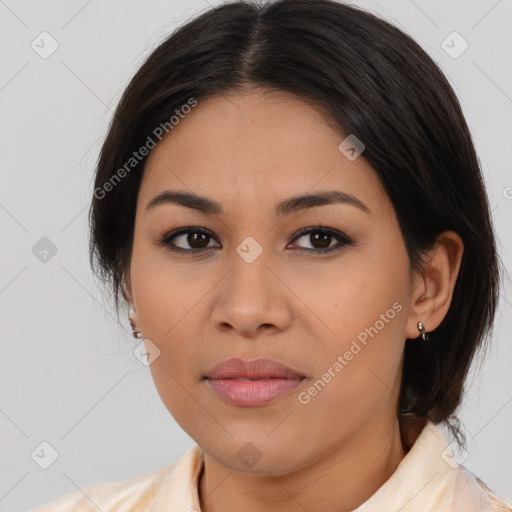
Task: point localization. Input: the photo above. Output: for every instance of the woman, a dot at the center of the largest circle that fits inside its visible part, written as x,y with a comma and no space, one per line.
289,202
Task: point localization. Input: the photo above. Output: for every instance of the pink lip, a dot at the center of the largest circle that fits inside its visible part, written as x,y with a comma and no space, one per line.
271,381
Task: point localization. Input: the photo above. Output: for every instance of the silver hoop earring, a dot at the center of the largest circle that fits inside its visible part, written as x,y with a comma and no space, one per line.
423,332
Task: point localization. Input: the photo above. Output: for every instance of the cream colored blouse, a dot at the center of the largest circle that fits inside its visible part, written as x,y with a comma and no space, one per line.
427,479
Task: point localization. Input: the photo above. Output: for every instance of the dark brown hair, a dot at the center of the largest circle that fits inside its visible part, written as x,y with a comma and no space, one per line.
375,82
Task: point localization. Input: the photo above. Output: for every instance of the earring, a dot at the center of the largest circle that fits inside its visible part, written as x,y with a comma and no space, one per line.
423,332
131,318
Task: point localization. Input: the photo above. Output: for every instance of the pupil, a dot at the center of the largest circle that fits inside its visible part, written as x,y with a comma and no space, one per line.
324,240
193,239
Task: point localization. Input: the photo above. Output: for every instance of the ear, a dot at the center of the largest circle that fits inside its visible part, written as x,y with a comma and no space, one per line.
127,289
432,289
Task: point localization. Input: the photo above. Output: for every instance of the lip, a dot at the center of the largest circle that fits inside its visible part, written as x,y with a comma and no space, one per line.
261,368
271,380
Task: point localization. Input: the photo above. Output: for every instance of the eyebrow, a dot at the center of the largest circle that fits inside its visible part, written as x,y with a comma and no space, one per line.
292,205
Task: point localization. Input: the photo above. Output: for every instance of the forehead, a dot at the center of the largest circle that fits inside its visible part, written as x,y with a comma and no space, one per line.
258,144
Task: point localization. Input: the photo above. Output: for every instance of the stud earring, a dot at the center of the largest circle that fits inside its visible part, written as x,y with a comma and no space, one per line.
131,318
423,332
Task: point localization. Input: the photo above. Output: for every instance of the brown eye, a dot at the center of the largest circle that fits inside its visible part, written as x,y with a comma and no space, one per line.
321,239
188,240
197,240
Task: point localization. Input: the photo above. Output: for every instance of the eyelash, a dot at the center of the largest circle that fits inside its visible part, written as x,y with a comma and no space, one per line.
342,239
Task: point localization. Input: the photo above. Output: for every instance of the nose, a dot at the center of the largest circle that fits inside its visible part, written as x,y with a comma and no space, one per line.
252,299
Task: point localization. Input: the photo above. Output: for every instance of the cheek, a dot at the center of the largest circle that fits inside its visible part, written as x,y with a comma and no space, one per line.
177,380
356,382
165,307
362,291
166,291
358,363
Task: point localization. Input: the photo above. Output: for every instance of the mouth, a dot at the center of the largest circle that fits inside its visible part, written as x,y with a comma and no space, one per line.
250,383
251,379
257,369
245,392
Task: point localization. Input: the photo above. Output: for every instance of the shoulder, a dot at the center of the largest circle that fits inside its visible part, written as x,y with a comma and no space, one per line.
464,490
497,503
471,494
111,496
174,485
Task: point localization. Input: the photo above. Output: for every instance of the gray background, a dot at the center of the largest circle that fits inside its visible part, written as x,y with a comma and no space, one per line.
68,375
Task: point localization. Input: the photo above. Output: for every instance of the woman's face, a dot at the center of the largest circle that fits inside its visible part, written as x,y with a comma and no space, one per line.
254,287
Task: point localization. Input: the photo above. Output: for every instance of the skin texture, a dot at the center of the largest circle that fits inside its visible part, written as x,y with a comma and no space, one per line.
248,152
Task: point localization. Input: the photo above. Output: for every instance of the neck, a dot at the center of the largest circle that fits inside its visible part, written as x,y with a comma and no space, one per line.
342,480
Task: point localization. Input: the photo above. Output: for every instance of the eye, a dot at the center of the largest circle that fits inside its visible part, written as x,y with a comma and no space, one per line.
321,238
196,238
